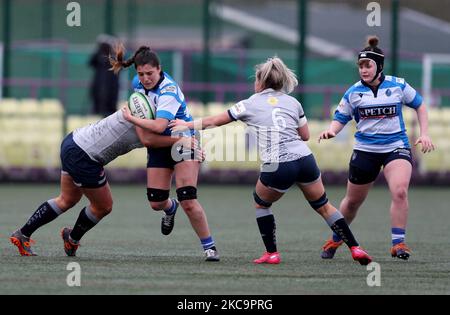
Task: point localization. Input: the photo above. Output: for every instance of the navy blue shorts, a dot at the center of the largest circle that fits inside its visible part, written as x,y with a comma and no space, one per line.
84,171
365,166
163,157
302,171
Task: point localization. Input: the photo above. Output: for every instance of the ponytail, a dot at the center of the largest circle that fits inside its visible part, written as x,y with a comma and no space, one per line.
276,75
144,55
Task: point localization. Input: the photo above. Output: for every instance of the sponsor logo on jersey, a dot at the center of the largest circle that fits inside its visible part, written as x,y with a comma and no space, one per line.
388,92
378,112
168,89
238,109
400,80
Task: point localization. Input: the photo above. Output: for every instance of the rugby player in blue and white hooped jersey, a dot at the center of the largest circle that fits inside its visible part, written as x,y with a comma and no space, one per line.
375,103
163,92
281,129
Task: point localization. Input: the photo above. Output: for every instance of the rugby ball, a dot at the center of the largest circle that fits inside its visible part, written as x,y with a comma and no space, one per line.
140,106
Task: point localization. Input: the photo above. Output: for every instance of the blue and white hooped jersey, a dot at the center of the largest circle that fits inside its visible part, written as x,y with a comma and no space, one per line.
167,97
379,120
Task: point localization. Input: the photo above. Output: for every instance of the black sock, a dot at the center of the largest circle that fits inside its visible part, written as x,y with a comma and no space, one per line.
43,215
267,227
340,227
84,223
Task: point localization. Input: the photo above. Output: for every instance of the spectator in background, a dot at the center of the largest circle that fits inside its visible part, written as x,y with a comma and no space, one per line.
104,88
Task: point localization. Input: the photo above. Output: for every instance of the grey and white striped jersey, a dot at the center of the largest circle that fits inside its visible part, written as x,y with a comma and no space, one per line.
274,118
108,138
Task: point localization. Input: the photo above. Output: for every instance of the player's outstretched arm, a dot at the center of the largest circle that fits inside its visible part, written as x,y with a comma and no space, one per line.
153,140
202,123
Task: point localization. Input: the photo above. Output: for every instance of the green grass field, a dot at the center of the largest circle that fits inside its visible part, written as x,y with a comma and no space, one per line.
126,254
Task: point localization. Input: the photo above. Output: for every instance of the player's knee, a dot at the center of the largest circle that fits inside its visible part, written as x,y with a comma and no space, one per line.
190,206
320,203
260,203
102,210
108,207
157,206
353,205
65,203
400,193
187,196
157,197
186,193
107,210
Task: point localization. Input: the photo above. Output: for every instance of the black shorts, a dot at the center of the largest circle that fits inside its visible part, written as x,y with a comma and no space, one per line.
167,157
84,171
365,166
284,175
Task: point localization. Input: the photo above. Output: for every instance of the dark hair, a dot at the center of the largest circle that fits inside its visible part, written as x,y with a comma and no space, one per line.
143,56
372,45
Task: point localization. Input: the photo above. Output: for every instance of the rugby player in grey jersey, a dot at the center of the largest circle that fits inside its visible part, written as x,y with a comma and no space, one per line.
84,153
281,129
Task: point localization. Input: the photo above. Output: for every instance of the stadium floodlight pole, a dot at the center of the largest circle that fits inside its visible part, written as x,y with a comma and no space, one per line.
394,37
206,49
109,13
302,6
6,45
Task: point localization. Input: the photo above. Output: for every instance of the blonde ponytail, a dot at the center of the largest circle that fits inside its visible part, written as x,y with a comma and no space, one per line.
276,75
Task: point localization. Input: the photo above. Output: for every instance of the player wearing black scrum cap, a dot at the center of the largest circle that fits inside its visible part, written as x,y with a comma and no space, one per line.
375,103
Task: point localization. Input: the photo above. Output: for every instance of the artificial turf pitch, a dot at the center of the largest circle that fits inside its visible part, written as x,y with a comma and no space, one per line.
127,254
